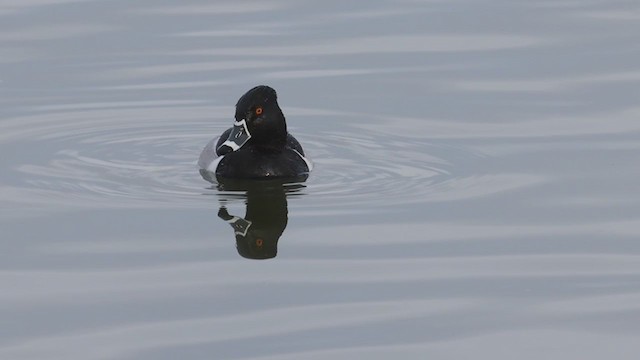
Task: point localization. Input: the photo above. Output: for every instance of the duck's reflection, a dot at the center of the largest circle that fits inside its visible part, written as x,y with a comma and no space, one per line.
258,231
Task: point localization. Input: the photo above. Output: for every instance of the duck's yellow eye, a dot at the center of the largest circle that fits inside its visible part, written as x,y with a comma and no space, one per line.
258,111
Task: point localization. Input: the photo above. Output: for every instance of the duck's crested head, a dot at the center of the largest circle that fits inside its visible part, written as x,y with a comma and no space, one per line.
259,122
260,95
259,105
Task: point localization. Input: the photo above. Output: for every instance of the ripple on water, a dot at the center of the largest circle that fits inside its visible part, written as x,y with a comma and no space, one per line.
131,155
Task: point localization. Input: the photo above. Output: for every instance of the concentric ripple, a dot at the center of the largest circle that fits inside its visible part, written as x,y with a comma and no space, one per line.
364,169
109,155
117,155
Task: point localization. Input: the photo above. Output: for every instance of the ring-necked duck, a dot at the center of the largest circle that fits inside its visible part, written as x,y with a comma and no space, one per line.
258,145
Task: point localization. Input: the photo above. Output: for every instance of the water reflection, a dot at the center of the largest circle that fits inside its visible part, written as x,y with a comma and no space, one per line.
258,231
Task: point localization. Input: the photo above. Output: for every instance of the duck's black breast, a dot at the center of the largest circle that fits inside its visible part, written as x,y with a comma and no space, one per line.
251,162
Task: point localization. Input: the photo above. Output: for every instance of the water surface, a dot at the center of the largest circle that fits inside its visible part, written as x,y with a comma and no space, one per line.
474,191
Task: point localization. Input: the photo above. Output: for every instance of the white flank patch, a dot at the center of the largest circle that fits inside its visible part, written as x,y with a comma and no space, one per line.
214,164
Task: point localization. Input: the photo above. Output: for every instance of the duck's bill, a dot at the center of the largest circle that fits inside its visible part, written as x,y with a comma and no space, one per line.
238,137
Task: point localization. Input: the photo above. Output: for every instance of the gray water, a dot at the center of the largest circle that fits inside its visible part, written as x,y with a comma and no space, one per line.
475,191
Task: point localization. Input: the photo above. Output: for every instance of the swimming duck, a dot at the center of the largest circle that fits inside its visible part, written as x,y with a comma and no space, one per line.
258,145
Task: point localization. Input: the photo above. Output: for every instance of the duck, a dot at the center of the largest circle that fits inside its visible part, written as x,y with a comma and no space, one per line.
258,145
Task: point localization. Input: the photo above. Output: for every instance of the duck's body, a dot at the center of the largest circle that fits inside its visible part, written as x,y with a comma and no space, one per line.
258,145
251,162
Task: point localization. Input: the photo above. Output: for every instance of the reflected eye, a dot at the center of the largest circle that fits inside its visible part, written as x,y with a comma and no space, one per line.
258,110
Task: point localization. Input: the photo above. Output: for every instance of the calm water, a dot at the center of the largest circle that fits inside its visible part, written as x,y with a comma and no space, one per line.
475,192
